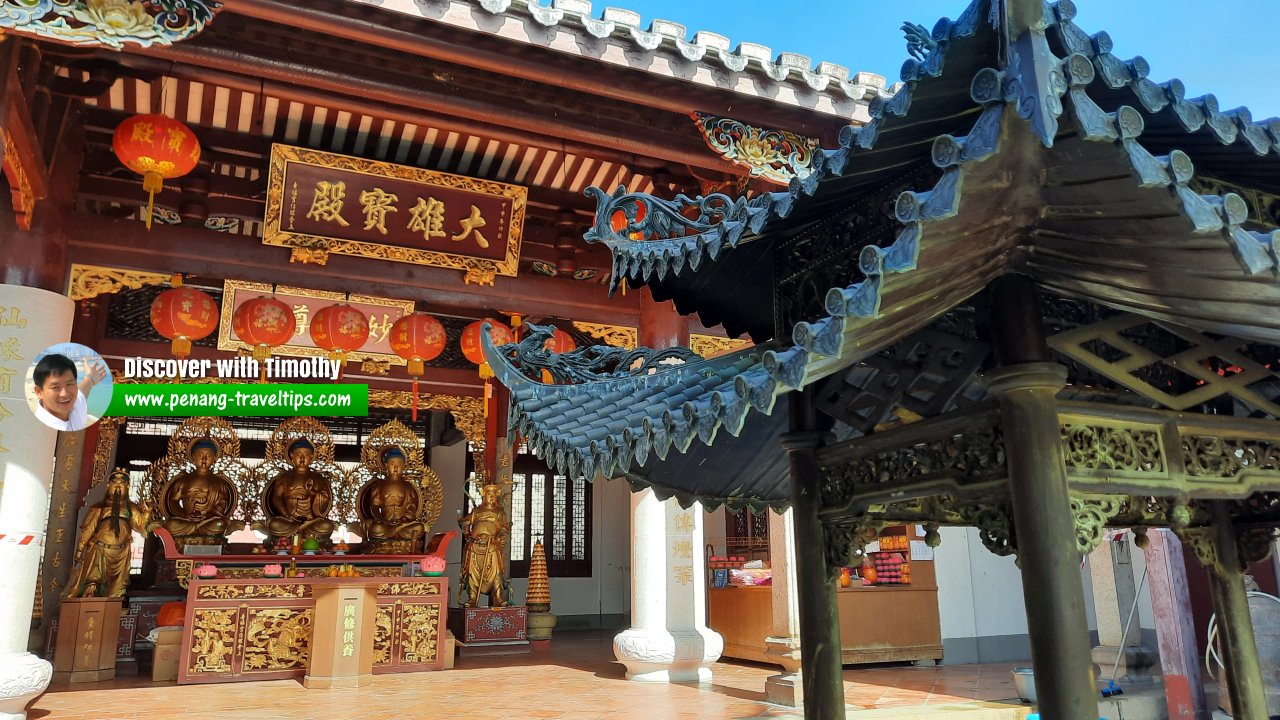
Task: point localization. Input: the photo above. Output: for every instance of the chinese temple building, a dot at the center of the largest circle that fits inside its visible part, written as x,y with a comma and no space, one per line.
1026,298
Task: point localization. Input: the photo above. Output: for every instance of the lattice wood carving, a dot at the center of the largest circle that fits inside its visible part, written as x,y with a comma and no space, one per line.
1216,367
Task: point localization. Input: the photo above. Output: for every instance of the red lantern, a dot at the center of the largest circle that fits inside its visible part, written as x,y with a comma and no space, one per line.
560,342
183,314
471,349
263,323
158,148
470,342
340,329
417,338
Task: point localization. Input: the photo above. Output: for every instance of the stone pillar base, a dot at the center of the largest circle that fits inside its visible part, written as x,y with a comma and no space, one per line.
784,689
668,656
785,651
1137,663
23,677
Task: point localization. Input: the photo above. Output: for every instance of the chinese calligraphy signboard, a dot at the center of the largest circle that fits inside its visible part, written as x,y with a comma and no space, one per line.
319,203
382,314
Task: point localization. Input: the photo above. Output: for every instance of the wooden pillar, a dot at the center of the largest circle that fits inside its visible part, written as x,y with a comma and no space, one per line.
1239,650
660,325
822,672
1026,386
38,257
1175,631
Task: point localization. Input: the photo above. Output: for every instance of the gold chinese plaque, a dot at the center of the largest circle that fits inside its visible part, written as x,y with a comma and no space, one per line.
382,314
320,203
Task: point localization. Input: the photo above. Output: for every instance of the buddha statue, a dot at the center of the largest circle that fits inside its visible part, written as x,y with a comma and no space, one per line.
198,503
389,507
106,538
485,532
297,501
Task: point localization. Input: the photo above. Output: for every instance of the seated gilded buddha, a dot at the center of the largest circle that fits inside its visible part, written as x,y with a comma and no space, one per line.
389,507
198,503
297,501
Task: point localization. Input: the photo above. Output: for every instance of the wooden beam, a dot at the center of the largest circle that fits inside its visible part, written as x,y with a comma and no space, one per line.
127,244
579,134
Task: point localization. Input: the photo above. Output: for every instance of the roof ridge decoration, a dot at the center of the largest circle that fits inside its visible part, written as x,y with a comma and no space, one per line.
109,23
623,421
625,30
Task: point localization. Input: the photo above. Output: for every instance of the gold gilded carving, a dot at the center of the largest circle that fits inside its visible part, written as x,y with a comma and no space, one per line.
105,449
468,412
421,217
213,639
382,313
22,194
244,592
615,335
407,588
277,639
182,572
375,367
90,281
710,346
298,482
419,631
399,497
382,635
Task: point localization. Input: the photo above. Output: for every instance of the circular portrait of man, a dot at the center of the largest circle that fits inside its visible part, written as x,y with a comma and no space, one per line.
68,387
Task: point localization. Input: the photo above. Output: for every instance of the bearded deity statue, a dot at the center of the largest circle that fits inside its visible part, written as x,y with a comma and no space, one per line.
102,556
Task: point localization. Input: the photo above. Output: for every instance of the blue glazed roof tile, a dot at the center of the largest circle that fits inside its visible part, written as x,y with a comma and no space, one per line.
988,212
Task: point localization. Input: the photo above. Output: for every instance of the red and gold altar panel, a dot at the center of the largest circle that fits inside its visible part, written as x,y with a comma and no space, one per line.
381,312
320,203
261,629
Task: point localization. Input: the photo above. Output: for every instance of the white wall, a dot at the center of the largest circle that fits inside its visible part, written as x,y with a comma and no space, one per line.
606,592
980,594
713,529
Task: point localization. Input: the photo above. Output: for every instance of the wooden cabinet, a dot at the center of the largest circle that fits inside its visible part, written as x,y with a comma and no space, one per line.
888,623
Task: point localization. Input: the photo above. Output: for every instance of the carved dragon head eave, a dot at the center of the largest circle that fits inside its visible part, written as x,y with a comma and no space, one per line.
110,24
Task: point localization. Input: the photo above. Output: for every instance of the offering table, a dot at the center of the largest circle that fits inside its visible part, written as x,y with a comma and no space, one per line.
263,629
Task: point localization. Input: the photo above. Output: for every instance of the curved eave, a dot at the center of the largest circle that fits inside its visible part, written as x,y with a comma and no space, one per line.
745,218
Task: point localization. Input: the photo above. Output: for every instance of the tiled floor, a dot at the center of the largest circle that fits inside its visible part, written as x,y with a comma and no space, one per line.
577,680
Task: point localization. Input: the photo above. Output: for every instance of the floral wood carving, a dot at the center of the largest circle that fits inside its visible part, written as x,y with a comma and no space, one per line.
1092,513
615,335
774,155
1229,457
845,541
1094,447
966,457
90,281
109,23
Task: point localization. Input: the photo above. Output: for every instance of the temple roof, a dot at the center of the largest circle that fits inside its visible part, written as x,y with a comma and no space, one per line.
618,36
1018,144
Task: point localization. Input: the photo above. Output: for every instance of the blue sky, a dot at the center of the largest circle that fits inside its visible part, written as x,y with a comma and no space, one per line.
1227,47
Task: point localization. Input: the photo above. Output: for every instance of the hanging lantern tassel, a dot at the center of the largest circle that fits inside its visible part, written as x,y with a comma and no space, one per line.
416,368
152,182
624,286
340,357
180,346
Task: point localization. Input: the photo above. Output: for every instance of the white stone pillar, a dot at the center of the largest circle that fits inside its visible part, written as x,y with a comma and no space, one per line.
669,640
783,642
30,320
1114,592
